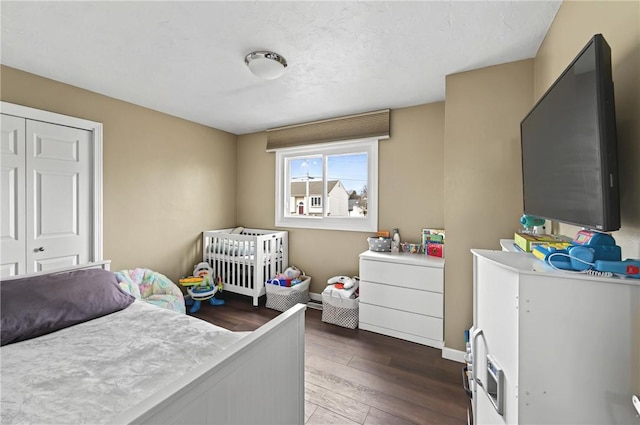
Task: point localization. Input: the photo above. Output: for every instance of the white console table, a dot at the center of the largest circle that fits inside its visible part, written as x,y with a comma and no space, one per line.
402,295
509,245
568,343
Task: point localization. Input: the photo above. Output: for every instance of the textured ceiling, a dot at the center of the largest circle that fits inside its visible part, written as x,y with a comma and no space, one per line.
187,58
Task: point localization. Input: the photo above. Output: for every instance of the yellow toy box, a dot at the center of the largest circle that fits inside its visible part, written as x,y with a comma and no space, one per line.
527,241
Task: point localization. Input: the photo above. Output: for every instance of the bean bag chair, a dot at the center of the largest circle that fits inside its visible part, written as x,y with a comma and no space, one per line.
152,287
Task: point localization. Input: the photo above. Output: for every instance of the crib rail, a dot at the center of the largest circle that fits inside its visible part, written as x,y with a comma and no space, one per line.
244,261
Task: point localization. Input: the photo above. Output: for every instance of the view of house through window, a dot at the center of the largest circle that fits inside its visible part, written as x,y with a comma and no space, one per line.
328,185
331,186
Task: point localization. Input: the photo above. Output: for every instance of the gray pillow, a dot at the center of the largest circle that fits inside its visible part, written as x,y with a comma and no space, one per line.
38,305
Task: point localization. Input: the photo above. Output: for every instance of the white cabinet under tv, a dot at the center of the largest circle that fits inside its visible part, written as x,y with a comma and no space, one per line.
568,343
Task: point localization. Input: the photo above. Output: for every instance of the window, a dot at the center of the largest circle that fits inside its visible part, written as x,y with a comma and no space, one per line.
316,201
328,186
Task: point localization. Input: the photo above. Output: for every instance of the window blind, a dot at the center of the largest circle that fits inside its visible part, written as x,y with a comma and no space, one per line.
360,126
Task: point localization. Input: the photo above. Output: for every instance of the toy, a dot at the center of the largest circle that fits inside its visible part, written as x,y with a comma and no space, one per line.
529,222
289,277
342,282
201,287
628,267
291,272
343,287
583,253
191,280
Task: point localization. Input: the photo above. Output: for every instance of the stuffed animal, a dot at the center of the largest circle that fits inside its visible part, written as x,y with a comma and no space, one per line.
287,278
290,273
346,281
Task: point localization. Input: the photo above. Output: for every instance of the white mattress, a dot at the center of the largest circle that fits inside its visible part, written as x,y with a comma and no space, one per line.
88,373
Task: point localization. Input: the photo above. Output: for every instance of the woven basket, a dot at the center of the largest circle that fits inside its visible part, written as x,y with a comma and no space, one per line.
282,298
340,311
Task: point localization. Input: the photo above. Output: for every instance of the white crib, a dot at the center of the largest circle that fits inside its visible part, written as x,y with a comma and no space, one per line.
246,258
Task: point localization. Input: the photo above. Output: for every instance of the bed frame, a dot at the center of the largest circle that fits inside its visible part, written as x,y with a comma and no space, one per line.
258,380
244,261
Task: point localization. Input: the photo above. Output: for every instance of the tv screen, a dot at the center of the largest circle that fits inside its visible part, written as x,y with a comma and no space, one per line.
569,148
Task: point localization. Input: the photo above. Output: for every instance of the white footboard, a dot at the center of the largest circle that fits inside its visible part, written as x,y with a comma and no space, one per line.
258,380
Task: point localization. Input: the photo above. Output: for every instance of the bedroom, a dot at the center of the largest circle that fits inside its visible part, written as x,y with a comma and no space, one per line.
176,164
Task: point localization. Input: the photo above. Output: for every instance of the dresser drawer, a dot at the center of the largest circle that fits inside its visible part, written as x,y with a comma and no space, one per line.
402,321
411,300
405,275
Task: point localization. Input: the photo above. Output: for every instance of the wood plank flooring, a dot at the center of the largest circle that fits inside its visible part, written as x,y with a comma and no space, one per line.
359,377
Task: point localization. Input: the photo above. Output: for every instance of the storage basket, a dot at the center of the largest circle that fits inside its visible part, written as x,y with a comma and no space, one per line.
379,245
282,298
340,311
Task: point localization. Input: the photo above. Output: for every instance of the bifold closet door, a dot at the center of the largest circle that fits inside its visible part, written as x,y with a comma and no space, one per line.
12,196
58,196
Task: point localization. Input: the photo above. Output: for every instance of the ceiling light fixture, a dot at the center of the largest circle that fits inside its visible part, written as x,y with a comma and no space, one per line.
266,65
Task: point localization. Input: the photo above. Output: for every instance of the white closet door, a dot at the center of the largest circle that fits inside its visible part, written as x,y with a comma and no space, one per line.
12,190
58,196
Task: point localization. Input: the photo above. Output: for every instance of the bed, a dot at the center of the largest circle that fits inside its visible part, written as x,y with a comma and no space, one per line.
144,364
245,258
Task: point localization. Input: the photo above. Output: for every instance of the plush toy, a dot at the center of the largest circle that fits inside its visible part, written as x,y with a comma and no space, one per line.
287,278
340,282
291,272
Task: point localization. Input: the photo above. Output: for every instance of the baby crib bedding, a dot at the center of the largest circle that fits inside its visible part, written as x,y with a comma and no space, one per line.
87,373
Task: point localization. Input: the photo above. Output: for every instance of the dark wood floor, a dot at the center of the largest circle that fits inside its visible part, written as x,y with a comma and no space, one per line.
359,377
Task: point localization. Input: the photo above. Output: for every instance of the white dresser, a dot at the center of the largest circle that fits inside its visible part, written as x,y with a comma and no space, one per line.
402,295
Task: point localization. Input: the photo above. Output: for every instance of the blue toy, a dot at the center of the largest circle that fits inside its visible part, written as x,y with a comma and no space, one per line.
591,252
529,221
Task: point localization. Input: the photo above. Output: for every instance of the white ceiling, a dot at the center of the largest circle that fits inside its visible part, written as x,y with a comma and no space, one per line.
187,58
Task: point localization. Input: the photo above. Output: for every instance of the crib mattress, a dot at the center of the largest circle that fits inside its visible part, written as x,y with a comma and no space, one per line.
90,372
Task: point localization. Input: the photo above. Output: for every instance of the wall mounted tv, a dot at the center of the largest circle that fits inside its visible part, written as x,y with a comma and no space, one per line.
569,148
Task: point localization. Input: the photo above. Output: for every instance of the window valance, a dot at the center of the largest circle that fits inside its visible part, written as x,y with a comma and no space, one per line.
360,126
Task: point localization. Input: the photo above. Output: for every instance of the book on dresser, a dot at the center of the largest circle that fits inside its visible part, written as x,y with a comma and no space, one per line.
402,295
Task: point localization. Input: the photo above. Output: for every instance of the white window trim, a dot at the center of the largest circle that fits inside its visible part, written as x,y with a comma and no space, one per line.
355,224
312,198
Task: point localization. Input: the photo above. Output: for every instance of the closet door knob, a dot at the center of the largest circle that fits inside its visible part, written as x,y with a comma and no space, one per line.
40,249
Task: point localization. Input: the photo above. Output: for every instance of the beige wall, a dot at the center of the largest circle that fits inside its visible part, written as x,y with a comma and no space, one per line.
165,179
483,198
455,165
619,23
482,185
410,191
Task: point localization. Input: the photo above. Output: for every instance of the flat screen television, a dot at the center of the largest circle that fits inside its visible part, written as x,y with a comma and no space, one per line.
569,147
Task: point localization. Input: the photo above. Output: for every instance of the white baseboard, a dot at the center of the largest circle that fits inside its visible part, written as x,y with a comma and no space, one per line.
316,301
451,354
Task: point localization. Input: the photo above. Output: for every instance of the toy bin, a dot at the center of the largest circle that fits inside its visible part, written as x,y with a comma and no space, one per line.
282,298
379,244
339,310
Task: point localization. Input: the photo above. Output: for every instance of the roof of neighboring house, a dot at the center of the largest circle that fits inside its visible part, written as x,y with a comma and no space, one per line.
315,187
